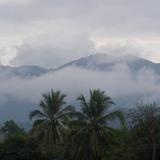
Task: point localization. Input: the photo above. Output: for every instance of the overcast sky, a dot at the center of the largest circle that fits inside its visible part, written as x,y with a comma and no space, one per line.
49,33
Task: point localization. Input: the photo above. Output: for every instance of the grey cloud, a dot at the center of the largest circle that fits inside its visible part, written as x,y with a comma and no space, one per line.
119,83
6,54
39,10
118,48
102,20
101,17
53,50
73,81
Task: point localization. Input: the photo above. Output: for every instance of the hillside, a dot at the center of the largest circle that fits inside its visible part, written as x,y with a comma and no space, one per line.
104,62
97,62
22,71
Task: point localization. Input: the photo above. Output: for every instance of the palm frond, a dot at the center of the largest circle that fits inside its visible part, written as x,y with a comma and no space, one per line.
116,114
101,100
37,122
37,114
62,130
38,127
57,100
80,116
77,124
86,109
93,109
43,105
82,100
67,109
101,120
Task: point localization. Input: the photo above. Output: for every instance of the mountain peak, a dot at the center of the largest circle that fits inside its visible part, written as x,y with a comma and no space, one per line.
106,58
105,62
101,58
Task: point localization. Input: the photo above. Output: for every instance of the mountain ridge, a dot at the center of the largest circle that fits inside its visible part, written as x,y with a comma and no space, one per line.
104,62
98,62
24,71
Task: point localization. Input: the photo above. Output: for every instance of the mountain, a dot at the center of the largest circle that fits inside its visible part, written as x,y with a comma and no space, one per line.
22,71
104,62
96,62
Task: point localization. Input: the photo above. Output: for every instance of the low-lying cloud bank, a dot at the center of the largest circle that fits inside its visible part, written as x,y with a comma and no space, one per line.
119,84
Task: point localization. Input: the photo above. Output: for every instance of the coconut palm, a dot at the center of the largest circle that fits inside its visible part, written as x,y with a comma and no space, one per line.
49,125
90,136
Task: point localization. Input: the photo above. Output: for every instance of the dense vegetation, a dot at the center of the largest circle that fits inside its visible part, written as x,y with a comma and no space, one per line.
63,132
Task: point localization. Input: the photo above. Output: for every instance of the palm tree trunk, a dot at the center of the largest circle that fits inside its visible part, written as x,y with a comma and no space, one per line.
154,151
94,157
91,155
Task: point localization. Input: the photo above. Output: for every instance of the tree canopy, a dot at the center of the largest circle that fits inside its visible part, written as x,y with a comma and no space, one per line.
10,128
61,131
49,126
90,135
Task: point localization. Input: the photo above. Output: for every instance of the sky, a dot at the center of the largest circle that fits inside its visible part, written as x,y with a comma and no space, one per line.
49,33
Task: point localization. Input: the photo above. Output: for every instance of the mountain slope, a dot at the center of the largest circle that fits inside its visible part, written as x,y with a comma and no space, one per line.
22,71
104,62
97,62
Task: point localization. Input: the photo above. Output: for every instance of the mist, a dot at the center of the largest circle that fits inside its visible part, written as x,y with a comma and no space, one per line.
19,96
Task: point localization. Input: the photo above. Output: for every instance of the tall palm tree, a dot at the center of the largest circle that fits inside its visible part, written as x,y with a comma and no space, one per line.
90,136
50,121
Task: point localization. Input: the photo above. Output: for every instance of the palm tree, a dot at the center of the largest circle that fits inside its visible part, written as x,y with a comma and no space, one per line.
90,136
49,125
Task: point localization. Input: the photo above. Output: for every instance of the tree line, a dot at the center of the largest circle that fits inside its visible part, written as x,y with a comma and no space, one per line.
63,132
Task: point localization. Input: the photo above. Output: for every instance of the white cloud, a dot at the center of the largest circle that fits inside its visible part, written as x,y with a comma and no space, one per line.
13,1
118,48
53,50
6,54
116,82
102,20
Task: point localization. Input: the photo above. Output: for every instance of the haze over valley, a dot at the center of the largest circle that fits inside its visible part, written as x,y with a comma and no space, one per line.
126,79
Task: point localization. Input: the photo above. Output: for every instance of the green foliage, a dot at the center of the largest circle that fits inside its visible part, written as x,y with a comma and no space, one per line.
90,136
10,128
145,130
65,134
49,127
20,148
123,149
54,153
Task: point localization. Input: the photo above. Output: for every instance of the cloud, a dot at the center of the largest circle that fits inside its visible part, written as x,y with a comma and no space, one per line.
53,50
104,18
117,48
119,83
6,54
102,21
